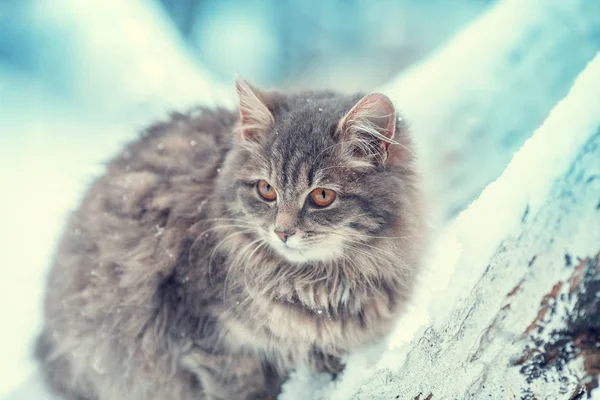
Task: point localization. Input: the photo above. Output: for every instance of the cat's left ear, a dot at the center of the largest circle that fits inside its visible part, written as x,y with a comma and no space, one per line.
370,125
255,117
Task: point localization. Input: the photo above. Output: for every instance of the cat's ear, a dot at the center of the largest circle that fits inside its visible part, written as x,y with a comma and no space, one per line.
255,117
370,126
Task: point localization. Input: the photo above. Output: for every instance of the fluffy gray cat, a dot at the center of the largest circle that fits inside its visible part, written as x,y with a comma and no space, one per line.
222,249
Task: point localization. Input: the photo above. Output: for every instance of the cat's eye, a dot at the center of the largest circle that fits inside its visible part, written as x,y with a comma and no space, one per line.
322,197
266,191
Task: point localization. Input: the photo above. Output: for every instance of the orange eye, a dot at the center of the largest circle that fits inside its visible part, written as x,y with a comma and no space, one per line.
322,197
266,190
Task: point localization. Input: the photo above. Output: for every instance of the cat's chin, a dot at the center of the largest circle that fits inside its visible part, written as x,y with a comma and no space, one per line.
305,254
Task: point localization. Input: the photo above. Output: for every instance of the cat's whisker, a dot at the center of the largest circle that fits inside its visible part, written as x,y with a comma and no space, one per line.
233,226
234,262
224,219
393,257
380,262
239,225
204,233
263,242
358,235
245,268
360,243
231,235
364,235
363,253
352,261
357,218
223,241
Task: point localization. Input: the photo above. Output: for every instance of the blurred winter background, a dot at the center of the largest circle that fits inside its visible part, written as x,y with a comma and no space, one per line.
80,77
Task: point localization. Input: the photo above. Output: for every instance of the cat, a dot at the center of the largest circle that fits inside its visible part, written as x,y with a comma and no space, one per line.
224,248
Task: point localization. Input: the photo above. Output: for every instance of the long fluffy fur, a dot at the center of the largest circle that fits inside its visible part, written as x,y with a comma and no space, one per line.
163,287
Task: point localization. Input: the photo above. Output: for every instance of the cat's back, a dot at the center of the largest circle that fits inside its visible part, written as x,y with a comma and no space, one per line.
128,232
104,312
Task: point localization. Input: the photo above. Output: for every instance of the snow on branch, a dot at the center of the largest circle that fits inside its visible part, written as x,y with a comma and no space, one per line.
474,102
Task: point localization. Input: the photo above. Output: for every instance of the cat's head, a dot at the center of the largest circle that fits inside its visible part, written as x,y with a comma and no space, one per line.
317,175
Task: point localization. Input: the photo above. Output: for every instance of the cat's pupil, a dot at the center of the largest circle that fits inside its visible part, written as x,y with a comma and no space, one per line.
268,188
323,193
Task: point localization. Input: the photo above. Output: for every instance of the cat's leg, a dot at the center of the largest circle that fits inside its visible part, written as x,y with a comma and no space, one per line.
233,376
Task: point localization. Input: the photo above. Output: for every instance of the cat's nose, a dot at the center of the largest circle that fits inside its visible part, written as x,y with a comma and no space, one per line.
283,235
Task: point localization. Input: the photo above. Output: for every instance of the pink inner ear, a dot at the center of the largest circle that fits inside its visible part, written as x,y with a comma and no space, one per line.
255,117
247,132
243,116
374,114
381,112
390,125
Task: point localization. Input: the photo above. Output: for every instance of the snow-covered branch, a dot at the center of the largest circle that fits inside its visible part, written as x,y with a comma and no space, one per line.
520,315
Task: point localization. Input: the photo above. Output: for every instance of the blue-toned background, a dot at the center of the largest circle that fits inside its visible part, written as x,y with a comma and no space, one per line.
340,43
81,50
78,78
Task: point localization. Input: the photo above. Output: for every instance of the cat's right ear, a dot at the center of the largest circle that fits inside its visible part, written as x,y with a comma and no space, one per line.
255,117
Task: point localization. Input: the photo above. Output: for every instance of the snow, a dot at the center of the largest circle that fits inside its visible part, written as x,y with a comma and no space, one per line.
531,173
471,335
526,182
480,97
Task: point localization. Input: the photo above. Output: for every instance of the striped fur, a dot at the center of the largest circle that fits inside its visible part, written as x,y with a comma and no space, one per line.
168,282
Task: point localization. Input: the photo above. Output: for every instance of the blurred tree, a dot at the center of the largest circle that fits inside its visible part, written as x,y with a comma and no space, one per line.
345,44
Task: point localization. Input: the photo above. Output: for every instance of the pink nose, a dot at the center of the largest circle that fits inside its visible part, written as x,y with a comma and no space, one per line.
282,235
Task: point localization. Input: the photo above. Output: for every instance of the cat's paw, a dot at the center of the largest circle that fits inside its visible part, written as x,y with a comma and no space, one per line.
328,363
